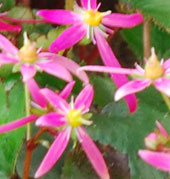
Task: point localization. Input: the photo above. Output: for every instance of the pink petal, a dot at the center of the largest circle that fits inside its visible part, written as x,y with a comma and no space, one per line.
27,71
35,93
159,160
109,59
55,69
7,46
106,69
122,20
17,123
92,3
163,85
55,100
61,17
7,27
93,153
85,97
4,59
67,90
51,120
166,64
68,64
132,87
161,129
54,153
68,38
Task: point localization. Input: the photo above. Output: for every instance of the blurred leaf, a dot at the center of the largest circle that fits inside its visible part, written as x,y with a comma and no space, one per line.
7,4
126,132
12,107
21,12
6,70
159,40
157,9
45,41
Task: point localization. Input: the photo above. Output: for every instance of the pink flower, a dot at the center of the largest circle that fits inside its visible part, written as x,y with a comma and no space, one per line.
70,118
27,60
39,103
155,72
7,27
88,21
158,154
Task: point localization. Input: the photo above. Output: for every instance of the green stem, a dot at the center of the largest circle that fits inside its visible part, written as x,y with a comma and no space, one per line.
166,99
146,38
27,108
69,4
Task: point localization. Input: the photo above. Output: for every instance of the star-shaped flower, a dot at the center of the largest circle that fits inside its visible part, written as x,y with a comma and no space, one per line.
88,21
70,118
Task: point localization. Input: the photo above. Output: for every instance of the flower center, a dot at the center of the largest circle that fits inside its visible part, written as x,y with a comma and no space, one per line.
153,69
92,18
28,52
75,117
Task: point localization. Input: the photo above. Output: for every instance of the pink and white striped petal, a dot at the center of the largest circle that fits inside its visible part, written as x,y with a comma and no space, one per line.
93,153
161,129
68,38
109,59
159,160
56,69
163,85
67,90
7,46
61,17
70,65
54,153
52,119
107,69
122,20
89,4
4,59
35,93
85,98
132,87
27,71
17,123
55,100
8,27
73,67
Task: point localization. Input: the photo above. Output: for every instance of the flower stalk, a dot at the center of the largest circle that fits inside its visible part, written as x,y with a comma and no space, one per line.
27,109
146,38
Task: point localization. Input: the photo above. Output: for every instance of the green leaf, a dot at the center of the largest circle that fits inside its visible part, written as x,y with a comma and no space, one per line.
11,108
126,132
7,4
157,9
159,40
104,89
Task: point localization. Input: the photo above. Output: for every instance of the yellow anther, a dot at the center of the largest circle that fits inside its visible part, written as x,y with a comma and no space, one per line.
93,18
75,118
28,52
153,68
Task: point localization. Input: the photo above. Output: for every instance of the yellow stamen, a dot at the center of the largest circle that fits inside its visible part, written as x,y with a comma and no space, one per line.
93,18
153,68
28,52
75,117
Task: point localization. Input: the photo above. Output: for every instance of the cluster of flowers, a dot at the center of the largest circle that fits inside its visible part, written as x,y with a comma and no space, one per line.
67,118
